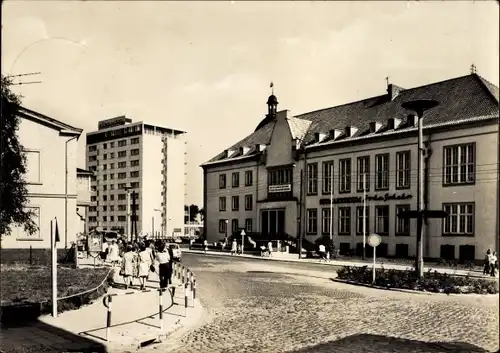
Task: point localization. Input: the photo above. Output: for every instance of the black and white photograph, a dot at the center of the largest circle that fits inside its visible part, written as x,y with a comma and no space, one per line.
250,176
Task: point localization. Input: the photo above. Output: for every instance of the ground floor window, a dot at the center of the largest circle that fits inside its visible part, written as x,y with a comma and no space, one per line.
460,220
272,222
382,220
466,253
401,250
447,252
222,226
248,225
312,221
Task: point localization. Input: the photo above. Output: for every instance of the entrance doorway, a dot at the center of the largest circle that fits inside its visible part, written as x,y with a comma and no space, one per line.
272,222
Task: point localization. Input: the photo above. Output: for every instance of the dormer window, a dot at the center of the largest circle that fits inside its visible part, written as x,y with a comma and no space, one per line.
319,136
375,126
350,131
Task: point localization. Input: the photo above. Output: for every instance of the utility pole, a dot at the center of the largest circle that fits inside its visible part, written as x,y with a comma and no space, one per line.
331,203
301,206
419,106
134,216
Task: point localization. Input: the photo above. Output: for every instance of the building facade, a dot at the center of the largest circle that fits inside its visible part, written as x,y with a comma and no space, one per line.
142,161
50,147
83,197
318,168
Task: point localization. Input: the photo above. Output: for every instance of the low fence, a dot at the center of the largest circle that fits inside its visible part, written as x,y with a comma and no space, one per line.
187,283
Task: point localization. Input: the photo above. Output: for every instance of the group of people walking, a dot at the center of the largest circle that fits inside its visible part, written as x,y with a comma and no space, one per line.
139,259
490,263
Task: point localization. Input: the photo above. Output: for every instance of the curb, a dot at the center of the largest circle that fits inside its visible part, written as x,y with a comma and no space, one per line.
402,290
331,263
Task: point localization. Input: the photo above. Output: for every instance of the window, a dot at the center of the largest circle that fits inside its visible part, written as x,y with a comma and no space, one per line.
325,220
122,143
112,208
105,156
134,141
402,224
112,197
360,216
111,144
345,175
459,164
92,158
122,207
134,185
104,188
382,220
105,146
222,181
248,178
134,174
111,176
312,178
122,185
460,220
122,197
344,220
104,177
382,172
93,219
312,221
121,218
122,175
248,225
363,173
105,219
222,226
447,252
122,154
112,218
248,202
236,203
234,225
19,231
272,222
402,250
327,177
134,163
403,170
92,148
222,203
236,180
122,164
134,152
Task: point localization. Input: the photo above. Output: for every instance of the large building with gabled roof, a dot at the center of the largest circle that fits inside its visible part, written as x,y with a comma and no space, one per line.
368,147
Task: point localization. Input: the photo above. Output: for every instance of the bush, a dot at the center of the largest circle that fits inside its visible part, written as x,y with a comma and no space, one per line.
431,282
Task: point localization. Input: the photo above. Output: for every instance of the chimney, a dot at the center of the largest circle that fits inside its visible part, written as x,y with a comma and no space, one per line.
393,123
412,120
319,136
244,150
350,131
375,126
336,133
393,90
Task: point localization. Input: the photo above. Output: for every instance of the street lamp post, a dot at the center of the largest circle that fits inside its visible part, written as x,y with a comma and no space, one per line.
419,106
128,227
227,221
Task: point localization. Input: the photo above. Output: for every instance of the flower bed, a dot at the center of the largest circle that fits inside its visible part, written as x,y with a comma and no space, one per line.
431,282
26,290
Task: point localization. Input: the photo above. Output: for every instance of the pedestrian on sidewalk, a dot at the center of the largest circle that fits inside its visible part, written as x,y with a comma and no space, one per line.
493,263
270,248
205,245
163,259
114,253
322,252
487,260
234,247
144,264
129,266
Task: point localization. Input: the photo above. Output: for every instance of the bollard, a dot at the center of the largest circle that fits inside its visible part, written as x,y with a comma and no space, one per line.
194,289
179,271
160,312
108,320
185,298
183,274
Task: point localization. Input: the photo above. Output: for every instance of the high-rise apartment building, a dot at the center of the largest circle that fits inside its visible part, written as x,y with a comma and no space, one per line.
141,161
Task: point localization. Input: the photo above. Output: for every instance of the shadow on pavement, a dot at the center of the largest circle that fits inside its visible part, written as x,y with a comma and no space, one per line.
41,337
382,344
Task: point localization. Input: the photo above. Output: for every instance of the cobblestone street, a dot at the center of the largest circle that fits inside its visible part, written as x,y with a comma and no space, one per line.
256,306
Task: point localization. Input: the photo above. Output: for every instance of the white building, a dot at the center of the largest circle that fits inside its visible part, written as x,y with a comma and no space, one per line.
50,147
147,160
256,184
83,193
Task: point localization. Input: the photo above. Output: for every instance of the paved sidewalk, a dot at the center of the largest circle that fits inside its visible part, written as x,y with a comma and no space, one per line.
134,321
294,258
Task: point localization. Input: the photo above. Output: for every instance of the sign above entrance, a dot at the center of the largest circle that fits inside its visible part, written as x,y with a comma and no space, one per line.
359,199
280,188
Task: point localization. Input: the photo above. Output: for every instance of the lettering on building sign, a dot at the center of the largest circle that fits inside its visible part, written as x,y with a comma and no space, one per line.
359,199
280,188
121,120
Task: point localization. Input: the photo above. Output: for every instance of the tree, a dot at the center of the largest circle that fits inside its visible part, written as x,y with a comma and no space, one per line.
13,190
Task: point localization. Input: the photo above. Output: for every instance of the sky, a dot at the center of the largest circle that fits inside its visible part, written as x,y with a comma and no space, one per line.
206,67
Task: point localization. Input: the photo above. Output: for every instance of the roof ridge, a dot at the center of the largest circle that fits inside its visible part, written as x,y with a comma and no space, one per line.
488,86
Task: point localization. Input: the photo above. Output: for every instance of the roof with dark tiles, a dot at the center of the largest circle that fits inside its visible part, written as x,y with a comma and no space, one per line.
460,99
